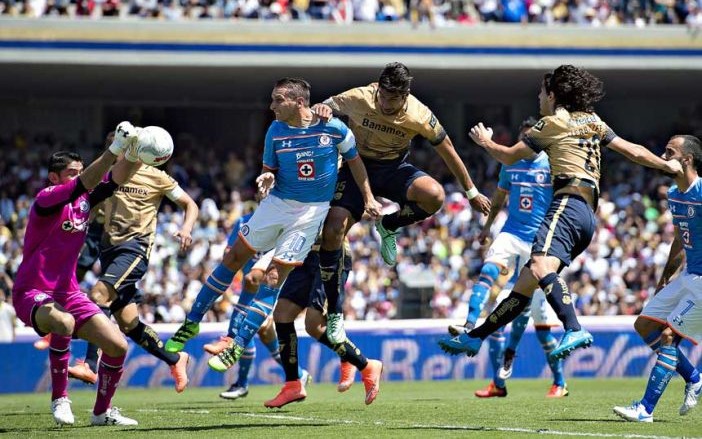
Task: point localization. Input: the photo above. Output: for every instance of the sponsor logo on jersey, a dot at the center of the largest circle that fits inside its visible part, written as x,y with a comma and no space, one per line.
67,226
304,154
305,170
382,128
526,203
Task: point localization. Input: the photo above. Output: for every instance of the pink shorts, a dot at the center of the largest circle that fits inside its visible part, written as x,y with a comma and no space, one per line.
75,303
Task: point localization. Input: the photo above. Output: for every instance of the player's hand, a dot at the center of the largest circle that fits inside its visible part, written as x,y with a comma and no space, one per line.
185,239
125,136
265,183
481,203
374,209
481,134
673,167
323,111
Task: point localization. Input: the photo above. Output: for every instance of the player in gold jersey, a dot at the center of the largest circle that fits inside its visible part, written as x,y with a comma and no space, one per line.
571,134
129,231
385,117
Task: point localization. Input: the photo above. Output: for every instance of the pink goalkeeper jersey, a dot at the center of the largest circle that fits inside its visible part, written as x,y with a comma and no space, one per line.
55,234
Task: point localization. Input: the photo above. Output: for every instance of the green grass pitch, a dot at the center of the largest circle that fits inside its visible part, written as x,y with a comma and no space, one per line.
403,409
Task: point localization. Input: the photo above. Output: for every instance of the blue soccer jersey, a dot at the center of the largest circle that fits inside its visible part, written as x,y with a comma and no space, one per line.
686,208
530,191
232,238
307,159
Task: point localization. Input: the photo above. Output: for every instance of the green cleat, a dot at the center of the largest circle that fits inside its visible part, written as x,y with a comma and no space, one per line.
388,245
186,331
226,359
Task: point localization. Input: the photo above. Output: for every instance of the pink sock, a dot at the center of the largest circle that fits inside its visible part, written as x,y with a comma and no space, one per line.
109,373
59,354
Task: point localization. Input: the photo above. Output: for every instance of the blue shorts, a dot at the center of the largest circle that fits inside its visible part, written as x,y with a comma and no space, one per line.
388,178
567,229
123,265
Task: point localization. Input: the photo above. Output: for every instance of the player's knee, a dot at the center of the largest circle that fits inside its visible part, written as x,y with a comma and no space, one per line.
435,196
116,346
313,328
63,323
100,294
253,281
667,337
645,326
334,231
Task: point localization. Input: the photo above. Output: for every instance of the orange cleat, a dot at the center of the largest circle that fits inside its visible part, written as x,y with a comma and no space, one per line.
216,347
179,372
81,371
348,376
491,391
557,391
292,391
371,379
43,343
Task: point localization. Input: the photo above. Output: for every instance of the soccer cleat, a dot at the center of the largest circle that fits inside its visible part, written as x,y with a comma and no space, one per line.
179,372
692,393
305,377
388,243
557,391
292,391
505,371
43,343
227,358
371,379
186,331
455,330
459,344
636,412
571,341
61,409
81,371
335,328
491,391
112,417
235,392
347,377
218,346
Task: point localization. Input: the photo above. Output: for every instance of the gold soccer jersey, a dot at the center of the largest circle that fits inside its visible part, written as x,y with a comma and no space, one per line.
380,136
131,212
572,142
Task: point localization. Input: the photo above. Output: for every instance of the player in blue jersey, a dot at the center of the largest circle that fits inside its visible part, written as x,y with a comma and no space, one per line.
675,311
300,167
527,186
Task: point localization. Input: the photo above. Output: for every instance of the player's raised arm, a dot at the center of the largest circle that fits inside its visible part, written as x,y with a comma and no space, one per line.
504,154
641,155
125,136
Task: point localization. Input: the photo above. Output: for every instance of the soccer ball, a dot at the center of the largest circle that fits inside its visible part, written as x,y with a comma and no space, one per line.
155,146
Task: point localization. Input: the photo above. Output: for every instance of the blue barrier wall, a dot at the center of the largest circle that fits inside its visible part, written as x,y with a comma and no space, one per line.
408,354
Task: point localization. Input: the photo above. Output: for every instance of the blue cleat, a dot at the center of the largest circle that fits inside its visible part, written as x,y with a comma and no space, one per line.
571,341
462,343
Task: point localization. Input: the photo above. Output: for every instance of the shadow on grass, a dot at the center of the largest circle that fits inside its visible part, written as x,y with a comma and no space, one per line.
267,425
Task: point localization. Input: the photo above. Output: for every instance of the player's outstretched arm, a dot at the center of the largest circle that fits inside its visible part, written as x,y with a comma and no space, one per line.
504,154
372,207
124,137
639,154
191,213
676,259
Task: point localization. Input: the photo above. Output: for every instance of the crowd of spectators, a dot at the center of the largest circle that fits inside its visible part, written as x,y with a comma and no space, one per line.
435,12
614,276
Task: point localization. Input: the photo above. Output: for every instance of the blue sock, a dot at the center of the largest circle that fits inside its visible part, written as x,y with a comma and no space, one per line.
488,276
239,312
259,310
215,285
497,351
686,370
653,340
548,343
245,362
662,372
519,325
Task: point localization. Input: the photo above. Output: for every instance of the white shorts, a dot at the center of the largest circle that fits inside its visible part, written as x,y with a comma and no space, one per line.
508,251
679,305
288,227
264,261
541,312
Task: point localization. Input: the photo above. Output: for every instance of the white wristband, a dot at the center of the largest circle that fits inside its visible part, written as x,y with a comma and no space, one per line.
472,193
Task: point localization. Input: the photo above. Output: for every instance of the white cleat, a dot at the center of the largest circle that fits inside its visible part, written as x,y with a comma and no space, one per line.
305,377
112,417
636,412
235,392
335,328
61,408
692,393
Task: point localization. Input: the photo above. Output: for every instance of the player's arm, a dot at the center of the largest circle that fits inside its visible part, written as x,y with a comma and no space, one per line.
450,157
507,155
182,199
266,180
348,151
498,201
676,259
125,136
641,155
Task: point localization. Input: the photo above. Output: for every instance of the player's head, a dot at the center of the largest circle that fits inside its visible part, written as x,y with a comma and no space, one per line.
570,87
289,96
526,125
687,150
64,166
393,87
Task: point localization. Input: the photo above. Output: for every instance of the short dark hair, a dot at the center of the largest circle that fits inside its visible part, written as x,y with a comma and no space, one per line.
691,145
395,78
527,123
575,89
60,160
296,88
